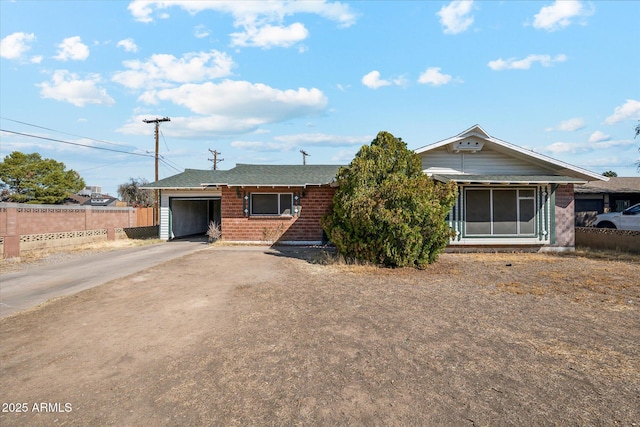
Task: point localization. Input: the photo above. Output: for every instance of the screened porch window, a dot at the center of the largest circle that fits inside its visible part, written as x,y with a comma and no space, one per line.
500,212
271,203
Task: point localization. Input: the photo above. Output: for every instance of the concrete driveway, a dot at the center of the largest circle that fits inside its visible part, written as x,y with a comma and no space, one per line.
25,289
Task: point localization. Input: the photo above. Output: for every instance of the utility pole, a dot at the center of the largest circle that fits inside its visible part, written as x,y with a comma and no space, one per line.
157,121
304,157
215,159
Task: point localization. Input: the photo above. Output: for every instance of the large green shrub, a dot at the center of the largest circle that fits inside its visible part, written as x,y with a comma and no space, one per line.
386,210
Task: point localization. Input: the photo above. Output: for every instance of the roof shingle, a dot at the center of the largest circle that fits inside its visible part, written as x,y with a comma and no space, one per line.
251,175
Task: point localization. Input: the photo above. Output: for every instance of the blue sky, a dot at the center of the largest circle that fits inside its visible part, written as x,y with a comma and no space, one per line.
260,81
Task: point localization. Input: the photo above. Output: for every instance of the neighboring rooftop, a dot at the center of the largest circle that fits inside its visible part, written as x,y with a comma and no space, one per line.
614,185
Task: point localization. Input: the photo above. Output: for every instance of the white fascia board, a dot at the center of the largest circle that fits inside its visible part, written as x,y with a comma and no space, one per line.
278,185
171,188
212,184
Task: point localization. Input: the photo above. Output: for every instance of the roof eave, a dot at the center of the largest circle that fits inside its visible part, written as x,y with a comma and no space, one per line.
468,179
308,184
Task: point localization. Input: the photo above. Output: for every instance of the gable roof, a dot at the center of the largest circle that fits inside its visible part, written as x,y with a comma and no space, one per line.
558,167
246,175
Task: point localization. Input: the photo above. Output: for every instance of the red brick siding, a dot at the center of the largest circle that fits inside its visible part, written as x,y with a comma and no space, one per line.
306,227
17,219
565,216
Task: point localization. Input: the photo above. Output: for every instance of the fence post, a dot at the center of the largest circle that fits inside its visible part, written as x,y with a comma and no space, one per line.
12,238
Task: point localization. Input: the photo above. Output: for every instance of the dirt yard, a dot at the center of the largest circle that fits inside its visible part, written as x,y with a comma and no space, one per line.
253,336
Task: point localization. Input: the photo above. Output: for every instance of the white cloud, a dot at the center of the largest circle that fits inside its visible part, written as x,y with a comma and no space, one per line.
570,125
244,99
567,147
163,69
200,32
261,21
559,15
324,140
373,80
244,11
607,162
456,16
128,44
68,87
72,48
292,142
628,110
526,63
15,45
231,107
344,156
270,35
192,127
581,147
598,136
606,144
434,77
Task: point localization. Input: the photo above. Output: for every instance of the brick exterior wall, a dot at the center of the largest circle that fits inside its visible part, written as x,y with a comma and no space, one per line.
237,226
37,219
565,216
17,219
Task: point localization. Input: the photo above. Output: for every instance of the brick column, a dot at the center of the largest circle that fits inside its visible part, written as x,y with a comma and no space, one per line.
12,238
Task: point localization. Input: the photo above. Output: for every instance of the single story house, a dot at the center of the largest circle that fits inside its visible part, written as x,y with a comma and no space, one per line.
614,195
251,203
508,196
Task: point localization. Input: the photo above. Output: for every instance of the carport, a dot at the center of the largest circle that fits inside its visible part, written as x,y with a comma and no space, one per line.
189,216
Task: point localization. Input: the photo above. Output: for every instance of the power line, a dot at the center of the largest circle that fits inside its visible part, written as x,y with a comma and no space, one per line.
165,141
66,133
75,143
166,163
175,165
102,166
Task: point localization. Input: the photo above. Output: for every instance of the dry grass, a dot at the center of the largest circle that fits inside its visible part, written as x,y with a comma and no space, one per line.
284,337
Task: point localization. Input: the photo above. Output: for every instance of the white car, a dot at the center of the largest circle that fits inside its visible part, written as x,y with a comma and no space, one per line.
628,219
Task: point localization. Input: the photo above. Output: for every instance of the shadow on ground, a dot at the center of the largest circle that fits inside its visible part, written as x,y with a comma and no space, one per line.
310,254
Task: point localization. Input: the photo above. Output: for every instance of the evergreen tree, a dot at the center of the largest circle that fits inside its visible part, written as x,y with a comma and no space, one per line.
386,210
28,178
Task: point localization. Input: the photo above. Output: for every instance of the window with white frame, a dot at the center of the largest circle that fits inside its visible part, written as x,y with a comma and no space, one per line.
271,203
500,211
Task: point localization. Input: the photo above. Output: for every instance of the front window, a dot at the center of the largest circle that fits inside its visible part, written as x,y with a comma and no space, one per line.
500,212
271,203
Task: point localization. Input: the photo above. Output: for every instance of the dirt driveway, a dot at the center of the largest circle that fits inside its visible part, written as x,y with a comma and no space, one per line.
252,336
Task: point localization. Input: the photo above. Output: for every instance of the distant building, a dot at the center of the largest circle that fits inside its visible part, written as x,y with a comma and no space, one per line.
614,195
90,189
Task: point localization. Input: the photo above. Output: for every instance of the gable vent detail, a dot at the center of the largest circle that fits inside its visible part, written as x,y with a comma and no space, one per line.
468,146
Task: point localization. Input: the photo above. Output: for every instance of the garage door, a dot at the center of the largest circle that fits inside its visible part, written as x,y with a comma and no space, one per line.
190,217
